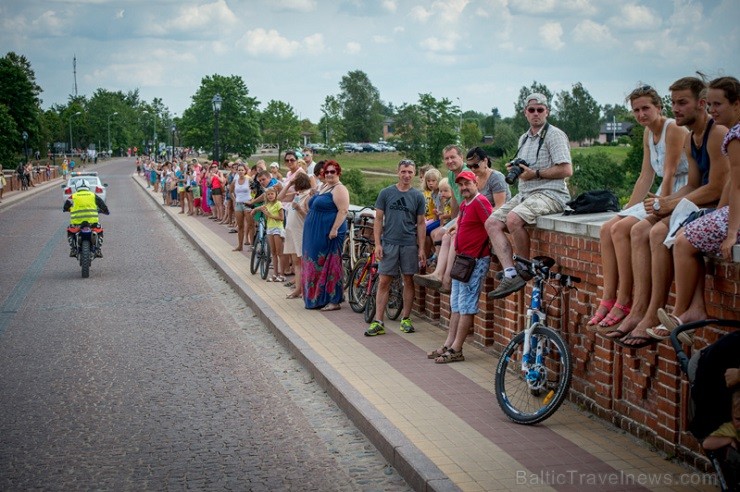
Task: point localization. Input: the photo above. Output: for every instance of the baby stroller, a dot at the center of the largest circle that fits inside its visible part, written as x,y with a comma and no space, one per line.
711,399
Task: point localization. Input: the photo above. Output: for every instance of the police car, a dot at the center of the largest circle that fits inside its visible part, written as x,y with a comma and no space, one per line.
75,179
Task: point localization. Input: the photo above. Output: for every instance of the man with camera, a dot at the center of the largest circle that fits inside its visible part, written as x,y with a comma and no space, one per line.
541,165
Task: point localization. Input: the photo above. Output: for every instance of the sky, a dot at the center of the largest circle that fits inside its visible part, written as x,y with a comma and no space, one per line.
476,53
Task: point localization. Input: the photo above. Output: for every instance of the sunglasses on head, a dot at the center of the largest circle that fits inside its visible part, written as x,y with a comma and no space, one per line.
535,110
641,91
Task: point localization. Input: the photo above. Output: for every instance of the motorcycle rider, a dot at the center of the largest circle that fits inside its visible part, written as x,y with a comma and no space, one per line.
84,206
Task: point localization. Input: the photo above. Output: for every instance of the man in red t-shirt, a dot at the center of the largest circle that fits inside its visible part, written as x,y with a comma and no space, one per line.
471,240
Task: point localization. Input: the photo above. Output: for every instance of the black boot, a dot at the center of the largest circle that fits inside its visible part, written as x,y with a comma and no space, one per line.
73,252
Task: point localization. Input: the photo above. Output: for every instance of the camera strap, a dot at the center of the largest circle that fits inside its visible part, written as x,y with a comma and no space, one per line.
543,134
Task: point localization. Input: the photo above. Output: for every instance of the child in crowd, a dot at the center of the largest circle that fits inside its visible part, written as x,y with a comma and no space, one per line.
430,189
443,211
274,213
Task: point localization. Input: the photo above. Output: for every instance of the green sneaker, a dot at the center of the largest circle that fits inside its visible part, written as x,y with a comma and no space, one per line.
406,325
376,328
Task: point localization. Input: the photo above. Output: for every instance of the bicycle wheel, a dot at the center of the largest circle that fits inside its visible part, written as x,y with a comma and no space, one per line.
265,258
254,261
357,292
395,298
346,262
370,303
533,396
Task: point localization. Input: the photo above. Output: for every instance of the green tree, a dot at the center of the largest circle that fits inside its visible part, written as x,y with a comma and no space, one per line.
362,109
239,131
426,128
19,93
8,139
280,125
596,171
504,140
618,112
519,122
332,123
668,106
577,114
470,135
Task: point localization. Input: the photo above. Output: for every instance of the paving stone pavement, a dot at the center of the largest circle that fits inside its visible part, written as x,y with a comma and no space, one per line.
150,404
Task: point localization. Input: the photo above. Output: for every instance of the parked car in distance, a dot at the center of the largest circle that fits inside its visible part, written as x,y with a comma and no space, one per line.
90,178
318,148
352,147
386,147
370,147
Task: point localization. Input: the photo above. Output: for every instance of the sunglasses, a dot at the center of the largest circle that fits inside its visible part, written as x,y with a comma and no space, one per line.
330,171
535,110
407,162
289,160
641,91
474,166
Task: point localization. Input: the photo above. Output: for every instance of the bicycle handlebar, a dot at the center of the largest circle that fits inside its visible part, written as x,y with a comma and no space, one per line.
540,266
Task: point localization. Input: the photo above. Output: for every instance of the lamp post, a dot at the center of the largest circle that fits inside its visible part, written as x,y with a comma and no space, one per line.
109,116
25,144
173,129
70,129
216,110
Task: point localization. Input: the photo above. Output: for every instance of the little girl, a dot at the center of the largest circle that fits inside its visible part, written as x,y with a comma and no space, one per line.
430,189
274,213
443,211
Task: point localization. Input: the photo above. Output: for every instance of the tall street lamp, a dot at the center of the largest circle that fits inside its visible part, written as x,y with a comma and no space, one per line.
70,129
216,101
173,129
109,116
25,144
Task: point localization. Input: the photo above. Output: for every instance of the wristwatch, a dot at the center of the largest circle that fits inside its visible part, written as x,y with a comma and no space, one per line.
537,173
656,204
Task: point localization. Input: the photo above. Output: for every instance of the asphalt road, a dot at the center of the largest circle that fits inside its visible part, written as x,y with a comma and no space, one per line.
151,374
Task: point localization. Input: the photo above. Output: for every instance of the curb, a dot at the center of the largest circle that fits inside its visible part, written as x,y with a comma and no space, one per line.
411,463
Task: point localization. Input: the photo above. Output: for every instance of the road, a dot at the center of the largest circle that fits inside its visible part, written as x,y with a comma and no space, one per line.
152,373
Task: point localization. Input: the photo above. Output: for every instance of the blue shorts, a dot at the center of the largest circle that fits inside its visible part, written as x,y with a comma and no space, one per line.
464,295
432,225
395,257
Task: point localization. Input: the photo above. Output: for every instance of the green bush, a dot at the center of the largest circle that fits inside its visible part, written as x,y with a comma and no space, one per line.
598,171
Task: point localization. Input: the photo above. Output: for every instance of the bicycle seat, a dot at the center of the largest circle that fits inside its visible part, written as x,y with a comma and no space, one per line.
546,261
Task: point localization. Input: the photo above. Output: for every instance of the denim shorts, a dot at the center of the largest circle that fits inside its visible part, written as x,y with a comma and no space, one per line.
464,295
275,231
241,207
394,257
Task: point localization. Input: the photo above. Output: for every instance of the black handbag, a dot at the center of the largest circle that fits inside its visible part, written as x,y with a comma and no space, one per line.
464,265
462,268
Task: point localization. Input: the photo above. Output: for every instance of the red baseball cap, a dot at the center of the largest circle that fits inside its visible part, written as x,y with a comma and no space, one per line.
467,175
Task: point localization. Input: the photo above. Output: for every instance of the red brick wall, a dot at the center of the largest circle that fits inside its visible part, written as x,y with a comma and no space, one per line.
641,391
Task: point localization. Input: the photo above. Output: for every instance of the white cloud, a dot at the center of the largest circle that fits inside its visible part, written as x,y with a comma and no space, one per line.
551,34
592,33
399,29
637,18
295,5
390,6
352,48
314,44
119,13
378,39
533,6
194,17
48,22
420,14
440,44
582,7
260,42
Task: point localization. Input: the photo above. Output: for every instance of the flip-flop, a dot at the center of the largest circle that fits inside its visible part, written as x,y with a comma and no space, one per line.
293,295
659,332
331,307
645,341
671,322
618,334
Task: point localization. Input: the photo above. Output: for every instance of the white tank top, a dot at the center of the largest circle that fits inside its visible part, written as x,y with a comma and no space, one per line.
657,158
242,192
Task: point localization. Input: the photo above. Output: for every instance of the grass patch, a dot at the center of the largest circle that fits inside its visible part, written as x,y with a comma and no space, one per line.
619,153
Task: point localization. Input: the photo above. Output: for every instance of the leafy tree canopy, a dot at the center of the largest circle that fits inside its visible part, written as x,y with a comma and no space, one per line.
362,109
577,114
280,125
425,128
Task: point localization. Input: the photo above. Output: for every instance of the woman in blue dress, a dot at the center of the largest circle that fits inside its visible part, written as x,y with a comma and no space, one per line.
323,237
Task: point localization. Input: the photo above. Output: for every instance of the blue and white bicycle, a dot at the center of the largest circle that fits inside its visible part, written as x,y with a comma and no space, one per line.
534,372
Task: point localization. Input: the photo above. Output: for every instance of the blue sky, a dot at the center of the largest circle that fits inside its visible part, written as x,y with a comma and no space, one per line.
480,51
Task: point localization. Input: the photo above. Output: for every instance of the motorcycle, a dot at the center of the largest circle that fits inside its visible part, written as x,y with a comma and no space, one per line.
86,238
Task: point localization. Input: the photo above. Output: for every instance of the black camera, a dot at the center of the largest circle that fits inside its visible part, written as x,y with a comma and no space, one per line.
515,170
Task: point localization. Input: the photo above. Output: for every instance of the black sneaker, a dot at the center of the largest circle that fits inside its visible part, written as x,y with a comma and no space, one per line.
73,252
507,286
99,253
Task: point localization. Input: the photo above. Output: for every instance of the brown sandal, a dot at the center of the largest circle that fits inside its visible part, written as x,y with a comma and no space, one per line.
435,353
450,356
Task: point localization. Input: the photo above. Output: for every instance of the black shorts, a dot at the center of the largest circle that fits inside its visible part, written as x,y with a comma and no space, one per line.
216,192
